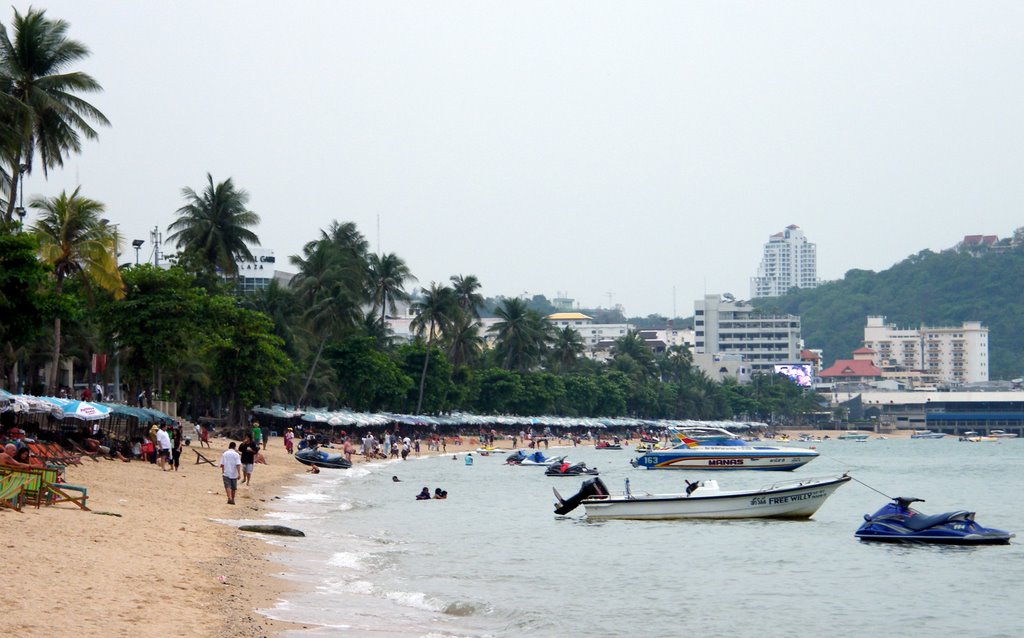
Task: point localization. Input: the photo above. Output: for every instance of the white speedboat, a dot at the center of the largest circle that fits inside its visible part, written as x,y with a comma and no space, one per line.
705,499
724,451
926,434
1002,434
853,436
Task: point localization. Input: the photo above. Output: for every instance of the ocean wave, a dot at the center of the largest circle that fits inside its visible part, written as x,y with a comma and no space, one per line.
465,608
349,560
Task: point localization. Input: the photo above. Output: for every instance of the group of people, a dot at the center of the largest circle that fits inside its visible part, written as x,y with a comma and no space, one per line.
424,494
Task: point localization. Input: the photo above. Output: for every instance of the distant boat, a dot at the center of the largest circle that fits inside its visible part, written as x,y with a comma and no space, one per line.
974,437
926,434
1002,434
853,436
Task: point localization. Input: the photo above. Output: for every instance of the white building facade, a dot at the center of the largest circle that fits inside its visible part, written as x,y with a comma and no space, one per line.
592,334
256,274
730,327
955,355
789,261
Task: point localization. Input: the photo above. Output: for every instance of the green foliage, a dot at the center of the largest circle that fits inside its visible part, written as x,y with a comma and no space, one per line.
23,298
932,289
369,380
434,385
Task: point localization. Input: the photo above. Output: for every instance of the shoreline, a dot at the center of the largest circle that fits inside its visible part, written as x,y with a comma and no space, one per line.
158,554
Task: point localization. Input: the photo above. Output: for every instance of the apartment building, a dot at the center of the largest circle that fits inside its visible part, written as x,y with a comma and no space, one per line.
725,326
789,261
949,355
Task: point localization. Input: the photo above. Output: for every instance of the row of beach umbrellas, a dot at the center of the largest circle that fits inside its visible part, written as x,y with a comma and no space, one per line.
62,408
348,418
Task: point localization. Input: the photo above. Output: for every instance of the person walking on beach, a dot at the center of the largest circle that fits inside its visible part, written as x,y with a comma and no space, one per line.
257,434
289,436
248,450
163,444
230,465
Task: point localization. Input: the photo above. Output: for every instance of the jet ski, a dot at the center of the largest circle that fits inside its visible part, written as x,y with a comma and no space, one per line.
897,522
570,470
319,458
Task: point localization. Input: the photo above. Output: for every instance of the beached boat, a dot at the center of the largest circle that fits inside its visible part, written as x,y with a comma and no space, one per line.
705,499
724,451
853,436
320,458
926,434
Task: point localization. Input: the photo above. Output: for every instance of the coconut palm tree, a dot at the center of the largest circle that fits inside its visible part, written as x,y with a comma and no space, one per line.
465,288
567,346
330,287
522,334
387,277
213,226
76,242
435,309
49,119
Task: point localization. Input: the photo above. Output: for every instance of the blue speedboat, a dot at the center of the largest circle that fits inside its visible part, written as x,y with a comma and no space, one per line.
719,449
897,522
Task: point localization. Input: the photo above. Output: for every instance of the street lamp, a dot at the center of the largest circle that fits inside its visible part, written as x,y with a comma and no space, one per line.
137,243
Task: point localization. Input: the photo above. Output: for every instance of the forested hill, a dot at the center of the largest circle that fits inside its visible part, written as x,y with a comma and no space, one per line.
943,289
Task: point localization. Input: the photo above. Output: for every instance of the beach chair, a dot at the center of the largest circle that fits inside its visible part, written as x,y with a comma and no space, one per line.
95,456
200,459
12,490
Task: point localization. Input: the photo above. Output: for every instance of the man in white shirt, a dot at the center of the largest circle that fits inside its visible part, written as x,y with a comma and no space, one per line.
230,468
163,445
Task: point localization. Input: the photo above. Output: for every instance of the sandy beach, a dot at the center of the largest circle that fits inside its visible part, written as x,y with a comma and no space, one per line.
152,558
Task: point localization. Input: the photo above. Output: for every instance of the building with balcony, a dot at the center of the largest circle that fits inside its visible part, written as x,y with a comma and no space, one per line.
789,261
938,355
725,326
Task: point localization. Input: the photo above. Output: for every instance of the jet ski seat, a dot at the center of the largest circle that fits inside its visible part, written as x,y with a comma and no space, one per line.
920,522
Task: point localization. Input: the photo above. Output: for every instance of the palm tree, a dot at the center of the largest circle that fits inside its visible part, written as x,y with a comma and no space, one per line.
464,342
388,274
566,348
76,242
330,288
49,118
522,334
434,308
469,300
631,349
214,226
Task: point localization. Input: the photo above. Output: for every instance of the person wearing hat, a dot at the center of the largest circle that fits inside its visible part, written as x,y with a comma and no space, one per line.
257,434
163,445
289,437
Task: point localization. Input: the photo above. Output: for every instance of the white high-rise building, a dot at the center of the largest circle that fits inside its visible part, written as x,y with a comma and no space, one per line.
952,355
790,261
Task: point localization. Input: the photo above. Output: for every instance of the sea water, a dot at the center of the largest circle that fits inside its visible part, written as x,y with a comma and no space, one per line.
494,560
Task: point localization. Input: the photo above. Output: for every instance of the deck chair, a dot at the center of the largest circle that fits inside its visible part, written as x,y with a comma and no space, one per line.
200,458
95,456
12,490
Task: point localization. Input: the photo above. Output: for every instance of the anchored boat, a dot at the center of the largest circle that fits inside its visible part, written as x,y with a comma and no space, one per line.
705,499
723,450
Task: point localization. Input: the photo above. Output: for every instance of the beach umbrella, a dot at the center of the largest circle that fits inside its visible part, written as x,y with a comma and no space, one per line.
74,409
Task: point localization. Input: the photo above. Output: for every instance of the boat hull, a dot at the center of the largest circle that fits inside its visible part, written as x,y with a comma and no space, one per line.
800,500
320,458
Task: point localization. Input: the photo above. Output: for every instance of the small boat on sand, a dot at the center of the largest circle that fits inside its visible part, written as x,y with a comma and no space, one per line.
705,499
320,458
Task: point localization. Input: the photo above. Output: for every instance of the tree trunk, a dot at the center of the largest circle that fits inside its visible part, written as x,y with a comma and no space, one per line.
55,361
13,190
309,377
423,375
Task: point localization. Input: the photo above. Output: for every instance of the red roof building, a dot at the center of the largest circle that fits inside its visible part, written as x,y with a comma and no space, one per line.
852,370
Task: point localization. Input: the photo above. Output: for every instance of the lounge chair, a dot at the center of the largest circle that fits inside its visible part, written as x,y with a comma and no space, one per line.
12,490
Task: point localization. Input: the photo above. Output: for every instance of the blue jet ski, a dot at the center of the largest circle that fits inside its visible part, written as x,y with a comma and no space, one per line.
319,458
897,522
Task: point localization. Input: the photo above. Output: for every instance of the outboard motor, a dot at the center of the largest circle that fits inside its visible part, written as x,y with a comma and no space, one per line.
590,487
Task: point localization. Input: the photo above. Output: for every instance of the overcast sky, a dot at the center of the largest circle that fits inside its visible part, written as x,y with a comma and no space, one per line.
635,152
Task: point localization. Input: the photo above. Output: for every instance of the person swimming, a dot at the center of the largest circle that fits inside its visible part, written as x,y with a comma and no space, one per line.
424,494
440,494
395,479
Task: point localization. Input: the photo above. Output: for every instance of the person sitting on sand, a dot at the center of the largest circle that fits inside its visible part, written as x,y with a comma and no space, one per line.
313,469
440,494
424,494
